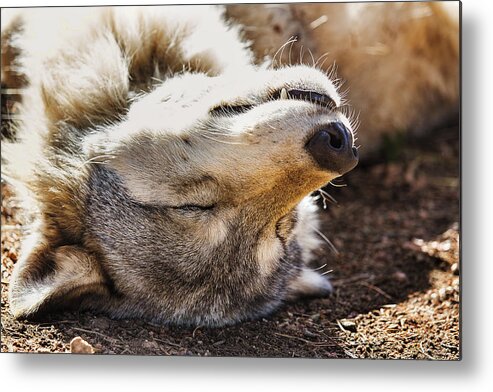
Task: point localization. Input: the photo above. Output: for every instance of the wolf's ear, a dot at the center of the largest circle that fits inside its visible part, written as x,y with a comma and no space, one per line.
47,279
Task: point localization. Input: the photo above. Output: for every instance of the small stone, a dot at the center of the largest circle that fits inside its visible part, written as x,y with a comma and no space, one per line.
100,323
400,276
445,246
315,317
434,298
348,325
150,345
80,346
310,334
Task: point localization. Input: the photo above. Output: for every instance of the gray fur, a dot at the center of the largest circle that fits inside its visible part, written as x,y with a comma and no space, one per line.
159,206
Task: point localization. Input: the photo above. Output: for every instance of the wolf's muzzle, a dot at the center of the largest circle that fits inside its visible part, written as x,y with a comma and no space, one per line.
332,148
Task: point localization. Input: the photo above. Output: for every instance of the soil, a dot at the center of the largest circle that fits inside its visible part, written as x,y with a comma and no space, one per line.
396,278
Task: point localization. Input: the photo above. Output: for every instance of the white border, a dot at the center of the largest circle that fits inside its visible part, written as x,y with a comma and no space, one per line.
473,373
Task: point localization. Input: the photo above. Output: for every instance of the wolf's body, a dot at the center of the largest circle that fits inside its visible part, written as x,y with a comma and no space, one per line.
168,176
169,179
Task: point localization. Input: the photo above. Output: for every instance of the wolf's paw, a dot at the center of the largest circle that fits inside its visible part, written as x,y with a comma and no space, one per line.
309,284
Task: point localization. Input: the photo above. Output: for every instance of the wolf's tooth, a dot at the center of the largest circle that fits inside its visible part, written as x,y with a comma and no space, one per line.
284,94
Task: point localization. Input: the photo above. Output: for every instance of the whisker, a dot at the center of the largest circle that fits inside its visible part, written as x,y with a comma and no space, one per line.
337,185
325,57
326,196
331,245
221,141
157,80
313,58
94,160
332,71
290,50
321,267
281,49
8,179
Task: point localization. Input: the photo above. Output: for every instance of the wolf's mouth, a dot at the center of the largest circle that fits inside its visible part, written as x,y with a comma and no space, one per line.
297,94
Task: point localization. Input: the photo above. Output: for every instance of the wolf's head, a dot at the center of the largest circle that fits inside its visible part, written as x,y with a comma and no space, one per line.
203,145
202,180
185,202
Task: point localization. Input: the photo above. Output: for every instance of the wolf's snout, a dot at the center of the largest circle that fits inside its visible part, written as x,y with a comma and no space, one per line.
332,148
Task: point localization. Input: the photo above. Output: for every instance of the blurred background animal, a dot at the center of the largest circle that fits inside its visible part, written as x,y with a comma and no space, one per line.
398,61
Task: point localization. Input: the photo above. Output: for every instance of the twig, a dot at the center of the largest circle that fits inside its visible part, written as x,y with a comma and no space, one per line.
167,342
292,337
94,332
318,344
342,328
449,346
423,351
53,323
352,279
195,330
377,289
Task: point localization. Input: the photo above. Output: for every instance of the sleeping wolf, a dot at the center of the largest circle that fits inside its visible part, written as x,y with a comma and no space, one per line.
170,179
166,173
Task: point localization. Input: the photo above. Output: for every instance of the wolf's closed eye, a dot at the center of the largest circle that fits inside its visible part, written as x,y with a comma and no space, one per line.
194,207
230,109
317,98
194,211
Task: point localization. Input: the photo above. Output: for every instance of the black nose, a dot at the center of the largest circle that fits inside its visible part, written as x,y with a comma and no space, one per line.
332,148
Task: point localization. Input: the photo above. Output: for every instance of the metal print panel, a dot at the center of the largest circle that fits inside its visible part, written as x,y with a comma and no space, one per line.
270,180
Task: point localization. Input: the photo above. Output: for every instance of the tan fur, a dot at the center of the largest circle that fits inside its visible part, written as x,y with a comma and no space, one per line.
118,139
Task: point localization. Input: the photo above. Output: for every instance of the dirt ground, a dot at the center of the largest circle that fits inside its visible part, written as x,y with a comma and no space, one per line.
396,278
